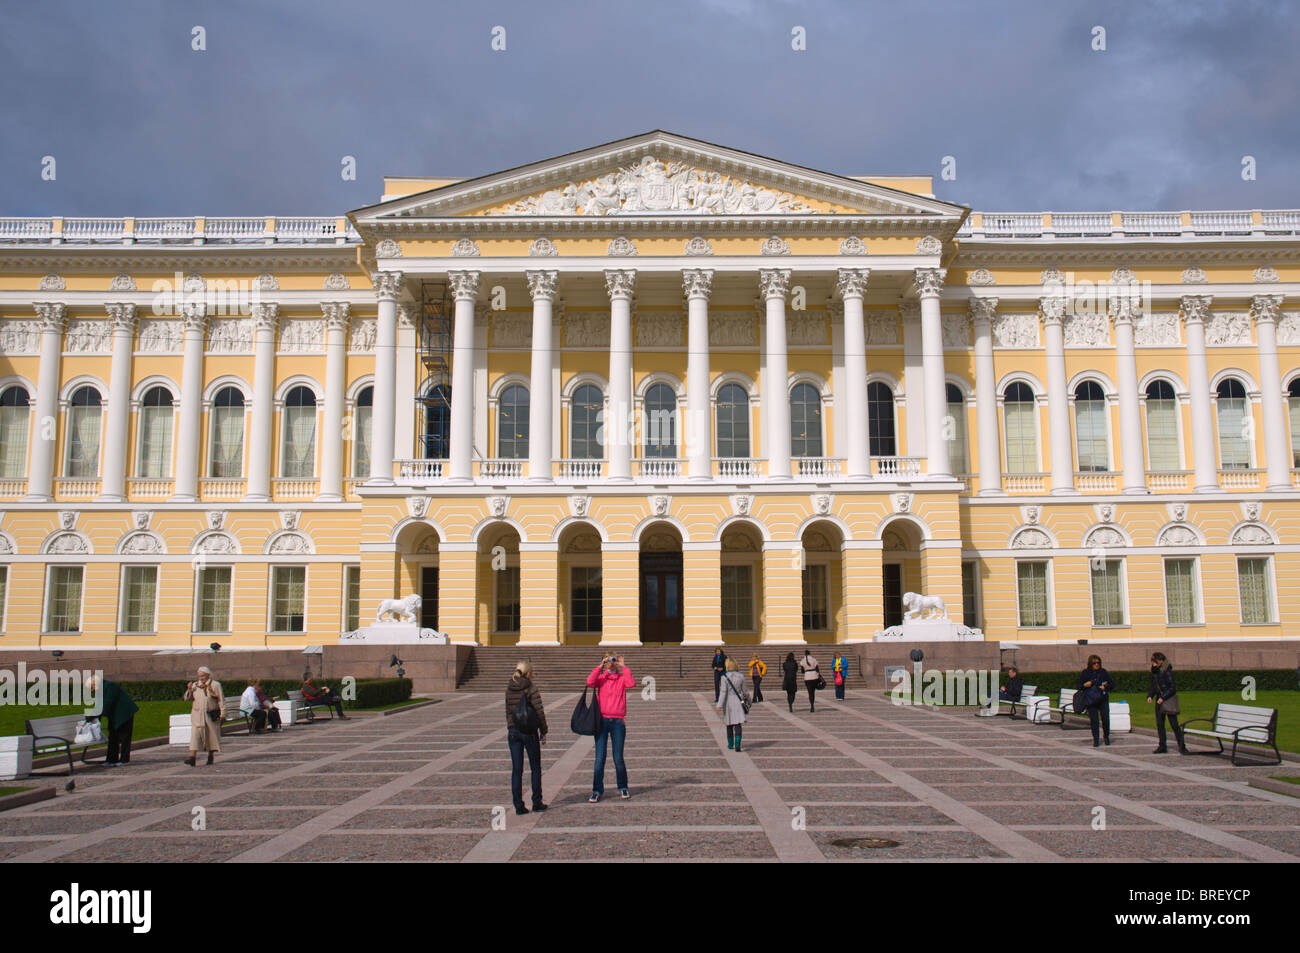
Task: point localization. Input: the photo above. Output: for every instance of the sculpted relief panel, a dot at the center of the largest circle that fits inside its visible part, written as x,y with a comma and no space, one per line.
1015,330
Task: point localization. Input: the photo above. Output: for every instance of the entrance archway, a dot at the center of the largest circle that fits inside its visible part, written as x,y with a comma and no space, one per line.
499,594
661,595
823,580
417,548
900,567
579,585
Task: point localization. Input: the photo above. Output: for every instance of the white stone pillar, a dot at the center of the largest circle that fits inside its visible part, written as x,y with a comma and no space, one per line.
1058,397
697,284
1266,309
383,419
909,312
191,412
1196,308
408,320
336,385
928,284
53,318
986,397
619,422
542,286
117,427
464,286
851,285
1132,460
774,283
266,319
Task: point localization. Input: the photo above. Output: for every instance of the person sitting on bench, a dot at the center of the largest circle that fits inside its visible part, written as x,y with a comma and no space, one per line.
322,696
259,708
1015,686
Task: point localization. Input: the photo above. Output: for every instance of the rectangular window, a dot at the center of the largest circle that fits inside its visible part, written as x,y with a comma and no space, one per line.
891,593
1256,593
299,439
1031,593
507,615
816,612
1234,433
585,599
63,599
289,598
361,441
13,440
139,599
1022,437
351,598
1107,597
1180,591
155,442
970,615
1162,435
958,455
1090,429
213,614
737,599
4,593
429,595
227,442
83,441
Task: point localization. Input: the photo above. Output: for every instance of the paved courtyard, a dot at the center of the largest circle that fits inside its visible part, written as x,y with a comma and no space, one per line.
423,785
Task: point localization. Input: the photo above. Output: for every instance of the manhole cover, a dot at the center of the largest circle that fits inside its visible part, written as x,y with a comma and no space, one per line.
864,843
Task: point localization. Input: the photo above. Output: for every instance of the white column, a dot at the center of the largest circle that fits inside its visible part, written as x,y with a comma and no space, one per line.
541,285
986,397
40,473
266,318
383,419
191,412
118,423
619,420
909,311
774,283
1266,309
1196,308
408,319
851,285
464,286
1058,397
336,385
697,284
928,285
1130,416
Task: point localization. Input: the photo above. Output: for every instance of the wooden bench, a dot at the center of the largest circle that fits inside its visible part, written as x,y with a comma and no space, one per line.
307,706
57,732
230,711
1120,719
1027,692
1242,724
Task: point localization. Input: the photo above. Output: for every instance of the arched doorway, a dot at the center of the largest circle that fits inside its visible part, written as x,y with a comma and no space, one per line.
822,582
499,592
661,593
417,548
580,585
900,567
740,583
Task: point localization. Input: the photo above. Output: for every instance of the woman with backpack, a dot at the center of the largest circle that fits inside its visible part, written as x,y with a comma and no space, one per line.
790,680
733,704
1094,685
525,731
812,678
611,679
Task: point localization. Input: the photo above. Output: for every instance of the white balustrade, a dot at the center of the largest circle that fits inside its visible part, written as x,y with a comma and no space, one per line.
1093,481
817,466
1295,477
495,469
222,488
93,229
26,229
350,485
1168,481
239,229
1013,224
1239,479
896,468
733,468
1221,223
306,229
1020,483
1151,223
11,488
164,229
659,468
420,469
1281,222
149,488
1081,223
581,469
283,488
66,487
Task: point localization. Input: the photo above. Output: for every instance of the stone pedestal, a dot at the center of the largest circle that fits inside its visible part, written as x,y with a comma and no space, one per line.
393,633
288,712
15,757
178,729
929,630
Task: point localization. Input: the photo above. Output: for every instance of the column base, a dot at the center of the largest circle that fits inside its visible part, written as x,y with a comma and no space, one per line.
1210,488
458,481
619,643
1136,490
540,481
858,477
257,498
330,498
531,642
37,498
183,498
110,498
1281,488
619,479
380,481
992,491
1063,491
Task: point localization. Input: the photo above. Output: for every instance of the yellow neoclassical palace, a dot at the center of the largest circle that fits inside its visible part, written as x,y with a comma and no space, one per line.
656,390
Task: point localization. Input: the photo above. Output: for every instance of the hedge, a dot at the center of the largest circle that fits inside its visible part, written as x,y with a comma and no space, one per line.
371,692
1187,680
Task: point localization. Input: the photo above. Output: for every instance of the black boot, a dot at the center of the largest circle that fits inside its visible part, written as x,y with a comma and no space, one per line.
190,759
210,756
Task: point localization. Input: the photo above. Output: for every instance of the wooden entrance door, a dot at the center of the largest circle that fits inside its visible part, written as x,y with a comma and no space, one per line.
661,597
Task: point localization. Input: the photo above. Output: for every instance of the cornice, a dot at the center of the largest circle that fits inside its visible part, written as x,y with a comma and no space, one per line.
68,259
1108,254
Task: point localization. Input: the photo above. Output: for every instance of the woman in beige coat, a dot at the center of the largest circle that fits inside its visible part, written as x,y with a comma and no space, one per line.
205,733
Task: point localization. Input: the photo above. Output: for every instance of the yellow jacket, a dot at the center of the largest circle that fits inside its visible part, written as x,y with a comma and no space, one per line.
757,668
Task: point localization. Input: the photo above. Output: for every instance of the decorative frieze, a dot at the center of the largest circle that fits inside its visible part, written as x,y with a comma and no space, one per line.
1016,331
881,328
1157,329
302,336
621,247
88,336
160,336
853,246
699,246
1087,329
807,329
464,248
731,329
586,329
336,282
1288,328
1195,275
1228,329
659,330
230,336
956,331
511,330
774,245
981,278
20,337
361,338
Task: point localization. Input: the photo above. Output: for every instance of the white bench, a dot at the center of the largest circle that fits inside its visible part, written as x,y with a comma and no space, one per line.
1241,724
1027,695
303,705
1120,717
59,732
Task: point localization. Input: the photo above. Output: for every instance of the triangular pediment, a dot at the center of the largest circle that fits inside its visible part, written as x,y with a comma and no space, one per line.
658,175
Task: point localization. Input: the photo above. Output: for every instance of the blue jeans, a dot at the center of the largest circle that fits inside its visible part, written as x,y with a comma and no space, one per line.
615,730
519,744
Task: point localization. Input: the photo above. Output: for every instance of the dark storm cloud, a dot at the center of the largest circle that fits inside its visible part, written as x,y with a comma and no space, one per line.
259,122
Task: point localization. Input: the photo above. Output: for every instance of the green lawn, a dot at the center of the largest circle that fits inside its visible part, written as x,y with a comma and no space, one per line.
1201,705
1288,778
7,791
150,721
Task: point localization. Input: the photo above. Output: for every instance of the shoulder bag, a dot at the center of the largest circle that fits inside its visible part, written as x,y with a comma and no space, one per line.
739,697
586,718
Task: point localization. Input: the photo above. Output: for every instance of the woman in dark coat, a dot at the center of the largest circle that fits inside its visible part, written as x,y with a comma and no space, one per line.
1165,694
1094,676
790,678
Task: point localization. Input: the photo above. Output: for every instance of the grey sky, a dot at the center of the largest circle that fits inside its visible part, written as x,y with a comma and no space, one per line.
258,123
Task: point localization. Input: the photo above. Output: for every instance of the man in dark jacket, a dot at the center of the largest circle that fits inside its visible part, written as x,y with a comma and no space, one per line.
521,687
1015,686
118,710
1165,694
322,696
719,669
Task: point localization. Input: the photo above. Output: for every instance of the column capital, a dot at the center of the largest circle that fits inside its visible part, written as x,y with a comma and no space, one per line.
774,282
542,284
620,282
982,309
464,284
52,316
336,314
851,282
266,317
388,284
121,316
1053,310
1266,308
928,282
697,282
1196,308
196,316
1123,309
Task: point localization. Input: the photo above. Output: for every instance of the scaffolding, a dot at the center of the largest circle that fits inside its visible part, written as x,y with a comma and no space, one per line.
433,372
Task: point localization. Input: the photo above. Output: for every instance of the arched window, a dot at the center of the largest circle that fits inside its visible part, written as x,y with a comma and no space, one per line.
659,434
512,423
958,454
1162,427
298,435
226,458
1019,410
880,420
155,457
733,421
15,411
586,414
1234,425
435,441
1090,430
1293,406
362,420
85,414
805,421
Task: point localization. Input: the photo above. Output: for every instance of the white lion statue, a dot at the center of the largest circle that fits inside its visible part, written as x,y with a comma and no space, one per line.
917,606
404,610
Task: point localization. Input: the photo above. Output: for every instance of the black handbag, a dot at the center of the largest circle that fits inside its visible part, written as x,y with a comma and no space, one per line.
215,715
1085,699
732,685
586,718
526,720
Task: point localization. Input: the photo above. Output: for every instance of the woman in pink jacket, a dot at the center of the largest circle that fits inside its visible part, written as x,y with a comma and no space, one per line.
611,679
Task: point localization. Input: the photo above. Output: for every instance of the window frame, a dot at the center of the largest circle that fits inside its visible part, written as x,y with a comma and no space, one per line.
893,400
170,455
1036,419
313,470
213,407
1121,580
497,404
646,410
26,404
1048,593
96,469
795,385
197,600
1248,413
824,566
1198,614
747,416
586,568
345,598
748,566
1178,425
596,424
1105,438
50,570
123,604
271,598
1270,589
963,428
512,565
